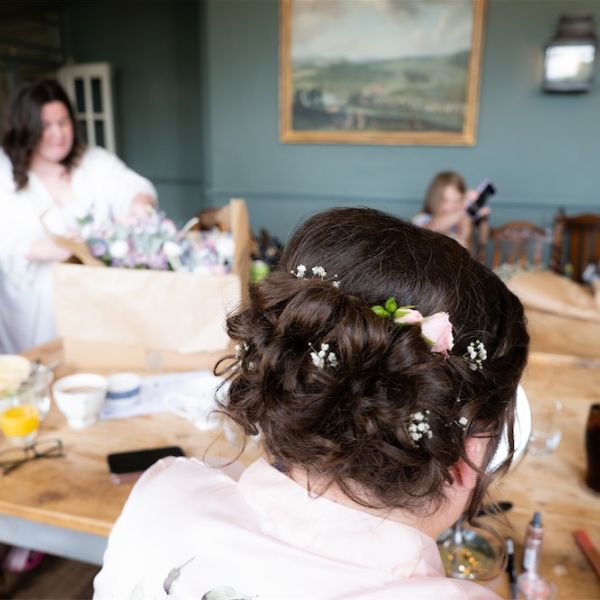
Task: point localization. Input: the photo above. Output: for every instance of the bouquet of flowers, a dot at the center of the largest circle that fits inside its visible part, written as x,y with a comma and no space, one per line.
152,241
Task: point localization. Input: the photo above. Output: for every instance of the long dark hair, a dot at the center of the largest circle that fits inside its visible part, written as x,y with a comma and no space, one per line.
348,425
23,126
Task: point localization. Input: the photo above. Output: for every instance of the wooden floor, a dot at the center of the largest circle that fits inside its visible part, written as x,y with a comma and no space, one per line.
53,579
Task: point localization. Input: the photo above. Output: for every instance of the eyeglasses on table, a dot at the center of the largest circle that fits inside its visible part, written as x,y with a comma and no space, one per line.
13,458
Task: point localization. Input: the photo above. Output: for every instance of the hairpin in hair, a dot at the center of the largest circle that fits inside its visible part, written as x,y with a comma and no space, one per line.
317,271
463,422
475,355
241,350
323,357
418,426
436,329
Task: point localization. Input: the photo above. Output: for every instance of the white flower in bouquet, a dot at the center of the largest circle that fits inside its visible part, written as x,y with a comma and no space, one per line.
119,249
167,227
172,250
225,247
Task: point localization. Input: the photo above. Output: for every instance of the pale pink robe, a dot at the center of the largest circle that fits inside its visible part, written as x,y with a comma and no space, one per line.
266,538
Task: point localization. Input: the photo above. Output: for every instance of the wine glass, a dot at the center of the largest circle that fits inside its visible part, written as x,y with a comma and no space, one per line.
465,553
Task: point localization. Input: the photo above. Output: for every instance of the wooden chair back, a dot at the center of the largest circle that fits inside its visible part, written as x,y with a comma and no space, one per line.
575,244
514,243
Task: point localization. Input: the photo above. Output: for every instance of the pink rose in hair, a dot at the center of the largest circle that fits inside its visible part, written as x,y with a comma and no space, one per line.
437,332
407,316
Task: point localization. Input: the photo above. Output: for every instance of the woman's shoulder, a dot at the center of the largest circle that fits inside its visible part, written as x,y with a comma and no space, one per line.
178,476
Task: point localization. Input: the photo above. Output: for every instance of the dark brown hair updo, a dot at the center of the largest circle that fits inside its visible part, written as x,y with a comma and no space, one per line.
23,127
348,425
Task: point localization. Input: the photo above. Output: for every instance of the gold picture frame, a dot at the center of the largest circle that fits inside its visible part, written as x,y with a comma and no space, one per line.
332,112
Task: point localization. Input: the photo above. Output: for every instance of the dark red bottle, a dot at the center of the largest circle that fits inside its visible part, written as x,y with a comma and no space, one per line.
592,447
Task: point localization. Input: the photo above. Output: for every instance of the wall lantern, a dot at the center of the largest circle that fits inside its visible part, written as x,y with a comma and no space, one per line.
569,56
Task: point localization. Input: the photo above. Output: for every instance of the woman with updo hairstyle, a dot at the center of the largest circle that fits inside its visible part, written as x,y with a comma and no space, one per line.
47,171
379,363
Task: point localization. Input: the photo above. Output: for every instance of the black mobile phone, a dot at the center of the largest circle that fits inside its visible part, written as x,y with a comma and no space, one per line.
128,466
485,190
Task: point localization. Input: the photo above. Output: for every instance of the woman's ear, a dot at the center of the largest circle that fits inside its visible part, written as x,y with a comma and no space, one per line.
465,477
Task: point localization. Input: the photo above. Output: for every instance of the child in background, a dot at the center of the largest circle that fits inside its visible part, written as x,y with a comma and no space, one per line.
445,208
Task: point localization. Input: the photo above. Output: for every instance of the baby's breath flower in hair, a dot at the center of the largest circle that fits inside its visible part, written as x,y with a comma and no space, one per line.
475,355
323,357
462,423
418,426
300,271
240,350
317,271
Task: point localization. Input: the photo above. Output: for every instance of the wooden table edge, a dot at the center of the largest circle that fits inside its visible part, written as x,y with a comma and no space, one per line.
54,519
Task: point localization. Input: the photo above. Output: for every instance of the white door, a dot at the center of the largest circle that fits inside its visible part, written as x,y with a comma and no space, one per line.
90,88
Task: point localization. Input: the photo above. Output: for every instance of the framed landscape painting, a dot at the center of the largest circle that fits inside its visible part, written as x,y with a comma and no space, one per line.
380,71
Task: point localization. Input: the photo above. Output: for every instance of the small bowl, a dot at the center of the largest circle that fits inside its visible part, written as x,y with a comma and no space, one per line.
123,389
80,398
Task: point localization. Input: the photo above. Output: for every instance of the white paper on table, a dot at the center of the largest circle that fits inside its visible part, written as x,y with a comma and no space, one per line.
156,388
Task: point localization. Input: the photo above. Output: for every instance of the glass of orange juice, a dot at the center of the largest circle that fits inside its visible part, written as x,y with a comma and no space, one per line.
20,422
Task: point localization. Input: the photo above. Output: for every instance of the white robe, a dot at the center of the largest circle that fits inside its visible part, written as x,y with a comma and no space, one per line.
266,538
102,185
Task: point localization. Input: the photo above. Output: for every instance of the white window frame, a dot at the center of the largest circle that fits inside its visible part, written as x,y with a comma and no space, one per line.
88,71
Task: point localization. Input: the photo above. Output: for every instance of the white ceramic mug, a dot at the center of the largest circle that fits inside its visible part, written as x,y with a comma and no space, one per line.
123,389
80,398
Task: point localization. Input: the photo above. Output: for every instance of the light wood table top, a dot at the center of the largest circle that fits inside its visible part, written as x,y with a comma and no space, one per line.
554,484
76,492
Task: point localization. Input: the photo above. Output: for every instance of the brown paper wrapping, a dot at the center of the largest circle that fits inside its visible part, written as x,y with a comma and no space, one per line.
552,293
138,319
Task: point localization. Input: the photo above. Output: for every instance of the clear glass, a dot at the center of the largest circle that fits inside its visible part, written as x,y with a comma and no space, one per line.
36,389
531,586
466,554
20,421
545,430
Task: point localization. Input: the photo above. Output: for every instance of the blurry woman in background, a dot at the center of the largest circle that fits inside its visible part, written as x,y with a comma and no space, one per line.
44,166
445,207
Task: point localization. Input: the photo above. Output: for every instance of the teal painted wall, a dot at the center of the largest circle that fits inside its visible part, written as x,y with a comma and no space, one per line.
154,50
542,151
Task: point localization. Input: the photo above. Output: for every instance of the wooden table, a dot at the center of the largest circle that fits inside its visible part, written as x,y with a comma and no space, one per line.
75,495
554,484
